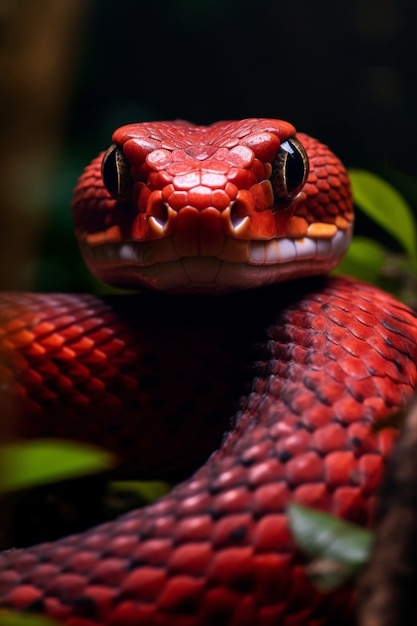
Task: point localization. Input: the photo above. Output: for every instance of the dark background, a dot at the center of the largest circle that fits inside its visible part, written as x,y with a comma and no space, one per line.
342,71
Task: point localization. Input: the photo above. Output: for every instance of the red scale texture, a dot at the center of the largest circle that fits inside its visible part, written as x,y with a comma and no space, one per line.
208,168
111,370
312,369
307,370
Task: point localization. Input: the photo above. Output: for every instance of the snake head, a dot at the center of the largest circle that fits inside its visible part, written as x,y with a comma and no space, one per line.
234,205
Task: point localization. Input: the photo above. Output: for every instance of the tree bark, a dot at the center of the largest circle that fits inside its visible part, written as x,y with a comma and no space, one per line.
387,592
38,46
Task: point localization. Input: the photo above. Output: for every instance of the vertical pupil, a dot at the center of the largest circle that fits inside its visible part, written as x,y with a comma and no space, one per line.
294,167
110,173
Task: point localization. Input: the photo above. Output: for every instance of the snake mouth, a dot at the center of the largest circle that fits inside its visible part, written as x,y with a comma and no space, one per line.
241,264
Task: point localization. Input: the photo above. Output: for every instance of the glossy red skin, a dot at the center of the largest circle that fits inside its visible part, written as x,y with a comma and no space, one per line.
330,359
191,186
314,364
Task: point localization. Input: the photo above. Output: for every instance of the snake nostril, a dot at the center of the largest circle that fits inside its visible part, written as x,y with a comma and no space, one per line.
159,216
239,214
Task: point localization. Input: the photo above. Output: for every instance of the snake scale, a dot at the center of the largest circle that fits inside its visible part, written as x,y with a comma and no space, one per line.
240,344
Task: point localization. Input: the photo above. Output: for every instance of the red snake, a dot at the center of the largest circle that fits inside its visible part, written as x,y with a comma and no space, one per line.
309,365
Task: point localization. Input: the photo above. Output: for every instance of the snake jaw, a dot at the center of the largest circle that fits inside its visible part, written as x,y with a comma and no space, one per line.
242,264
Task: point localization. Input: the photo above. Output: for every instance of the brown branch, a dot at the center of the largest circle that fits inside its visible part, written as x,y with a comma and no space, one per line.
387,593
37,51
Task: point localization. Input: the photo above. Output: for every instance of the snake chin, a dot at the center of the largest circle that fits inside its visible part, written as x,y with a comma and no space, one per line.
134,265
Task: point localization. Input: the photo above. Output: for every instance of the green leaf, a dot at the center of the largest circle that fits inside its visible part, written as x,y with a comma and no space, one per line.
33,463
8,618
337,549
146,490
364,260
387,207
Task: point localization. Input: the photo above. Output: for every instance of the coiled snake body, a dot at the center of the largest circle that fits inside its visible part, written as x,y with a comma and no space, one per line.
309,365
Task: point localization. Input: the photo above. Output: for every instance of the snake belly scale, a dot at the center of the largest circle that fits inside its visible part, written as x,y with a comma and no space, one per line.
284,371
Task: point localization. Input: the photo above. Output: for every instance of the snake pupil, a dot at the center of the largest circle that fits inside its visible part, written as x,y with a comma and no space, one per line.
115,172
294,167
289,171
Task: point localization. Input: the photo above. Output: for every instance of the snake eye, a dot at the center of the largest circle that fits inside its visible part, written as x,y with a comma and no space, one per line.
115,171
289,171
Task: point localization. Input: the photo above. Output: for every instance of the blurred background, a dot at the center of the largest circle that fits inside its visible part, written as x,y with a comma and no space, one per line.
71,71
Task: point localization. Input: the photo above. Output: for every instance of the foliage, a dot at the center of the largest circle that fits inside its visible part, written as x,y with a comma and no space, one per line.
388,208
392,268
43,461
337,549
8,618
